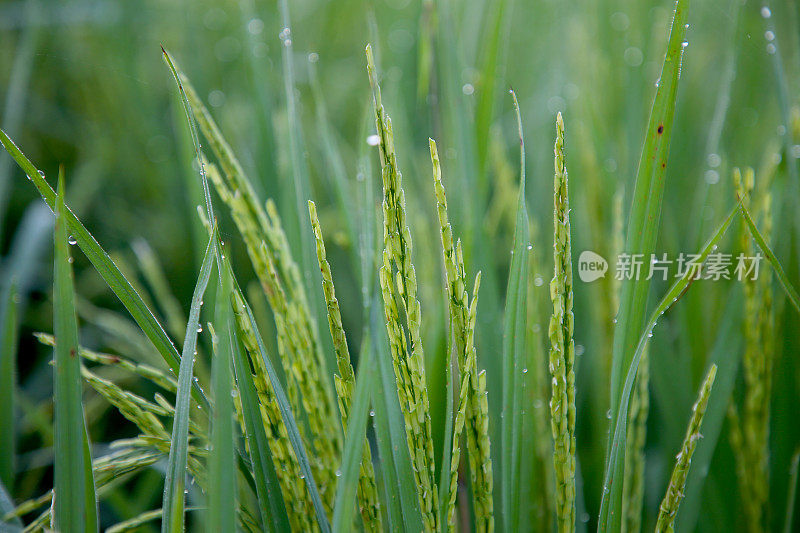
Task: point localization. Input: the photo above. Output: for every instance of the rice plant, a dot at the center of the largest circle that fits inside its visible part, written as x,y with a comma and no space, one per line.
467,379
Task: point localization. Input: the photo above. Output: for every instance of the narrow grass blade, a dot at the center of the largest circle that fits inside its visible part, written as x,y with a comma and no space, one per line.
514,348
285,409
674,495
174,485
354,444
791,292
187,109
8,372
268,490
75,503
221,461
115,280
641,238
395,460
610,519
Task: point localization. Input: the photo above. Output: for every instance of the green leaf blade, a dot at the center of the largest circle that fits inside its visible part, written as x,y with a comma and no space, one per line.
641,238
174,485
75,503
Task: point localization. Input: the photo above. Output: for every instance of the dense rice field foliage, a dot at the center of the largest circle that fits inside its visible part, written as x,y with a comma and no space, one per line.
399,265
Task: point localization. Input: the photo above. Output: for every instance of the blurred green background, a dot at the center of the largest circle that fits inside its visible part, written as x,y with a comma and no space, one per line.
83,85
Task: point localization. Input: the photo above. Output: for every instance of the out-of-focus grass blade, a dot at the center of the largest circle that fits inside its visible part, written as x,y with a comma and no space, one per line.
17,91
493,55
75,502
514,347
270,499
115,280
222,460
156,278
354,443
343,193
762,243
174,485
8,355
610,517
641,238
284,406
792,493
7,506
726,355
390,429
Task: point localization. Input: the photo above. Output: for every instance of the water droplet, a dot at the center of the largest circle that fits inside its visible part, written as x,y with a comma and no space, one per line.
72,240
41,173
468,89
770,48
313,57
285,33
684,44
524,370
302,476
711,177
530,247
768,35
234,393
338,473
372,412
608,414
373,140
765,12
70,260
714,160
538,281
796,151
199,328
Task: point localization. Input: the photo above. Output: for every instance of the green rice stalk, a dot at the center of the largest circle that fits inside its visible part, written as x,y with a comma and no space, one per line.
107,470
674,495
345,381
271,257
754,363
472,411
562,346
299,508
409,362
633,483
157,376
